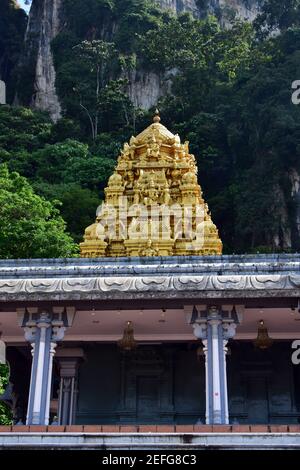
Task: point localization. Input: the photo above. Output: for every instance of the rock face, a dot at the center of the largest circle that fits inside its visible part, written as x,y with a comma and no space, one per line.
145,88
45,97
44,23
224,9
43,26
283,238
294,176
245,9
179,6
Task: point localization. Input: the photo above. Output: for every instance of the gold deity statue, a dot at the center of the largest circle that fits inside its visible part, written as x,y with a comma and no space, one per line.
153,202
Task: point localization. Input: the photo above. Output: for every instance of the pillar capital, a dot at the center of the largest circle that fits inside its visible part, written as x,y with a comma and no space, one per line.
214,313
46,316
201,318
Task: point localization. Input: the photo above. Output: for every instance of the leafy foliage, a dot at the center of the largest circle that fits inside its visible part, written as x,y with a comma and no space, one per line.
229,95
5,413
69,170
276,14
30,226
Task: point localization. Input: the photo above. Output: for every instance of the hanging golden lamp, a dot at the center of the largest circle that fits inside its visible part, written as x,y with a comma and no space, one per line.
263,340
127,342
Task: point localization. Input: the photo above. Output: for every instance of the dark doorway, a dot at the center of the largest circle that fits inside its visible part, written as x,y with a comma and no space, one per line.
154,384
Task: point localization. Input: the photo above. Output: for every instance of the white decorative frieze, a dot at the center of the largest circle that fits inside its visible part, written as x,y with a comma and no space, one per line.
174,285
77,279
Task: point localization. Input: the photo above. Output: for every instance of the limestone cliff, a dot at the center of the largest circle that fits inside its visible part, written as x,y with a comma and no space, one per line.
44,23
294,177
179,6
245,9
223,9
43,26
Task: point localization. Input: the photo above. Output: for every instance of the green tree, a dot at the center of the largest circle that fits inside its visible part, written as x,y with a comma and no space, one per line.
276,14
5,413
70,171
23,129
96,54
90,84
78,205
234,106
67,162
229,95
30,226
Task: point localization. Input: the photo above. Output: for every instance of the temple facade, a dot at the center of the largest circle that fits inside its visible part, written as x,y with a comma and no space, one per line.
152,325
194,321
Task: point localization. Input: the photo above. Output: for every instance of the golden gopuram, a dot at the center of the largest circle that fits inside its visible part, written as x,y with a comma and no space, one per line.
153,202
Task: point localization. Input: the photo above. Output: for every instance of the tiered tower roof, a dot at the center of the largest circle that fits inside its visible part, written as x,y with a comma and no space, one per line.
153,202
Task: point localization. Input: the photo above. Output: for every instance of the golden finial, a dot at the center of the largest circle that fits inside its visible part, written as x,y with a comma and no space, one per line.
156,117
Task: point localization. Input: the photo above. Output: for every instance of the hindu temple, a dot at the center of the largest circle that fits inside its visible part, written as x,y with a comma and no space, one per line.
152,335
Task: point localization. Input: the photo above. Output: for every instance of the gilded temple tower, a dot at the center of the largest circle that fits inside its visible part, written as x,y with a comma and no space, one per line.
153,202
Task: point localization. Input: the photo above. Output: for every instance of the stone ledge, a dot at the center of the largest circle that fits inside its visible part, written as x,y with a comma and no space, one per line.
95,267
182,429
148,440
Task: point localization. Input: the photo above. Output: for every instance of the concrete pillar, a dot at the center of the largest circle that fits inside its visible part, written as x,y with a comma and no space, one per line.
43,329
68,362
214,327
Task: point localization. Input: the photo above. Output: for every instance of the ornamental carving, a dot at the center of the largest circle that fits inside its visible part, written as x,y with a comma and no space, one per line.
144,286
154,202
